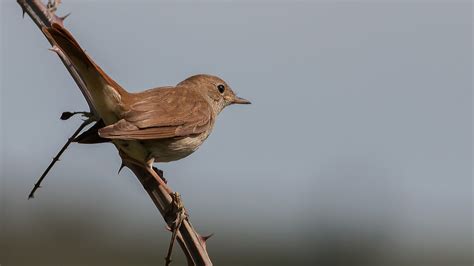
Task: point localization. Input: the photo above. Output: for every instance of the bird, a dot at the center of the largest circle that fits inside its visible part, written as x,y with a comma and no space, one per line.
158,125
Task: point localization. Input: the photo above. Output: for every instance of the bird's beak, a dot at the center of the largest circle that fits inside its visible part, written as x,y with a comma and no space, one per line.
238,100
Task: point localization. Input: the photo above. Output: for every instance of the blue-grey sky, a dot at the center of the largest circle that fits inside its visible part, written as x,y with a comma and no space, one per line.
358,143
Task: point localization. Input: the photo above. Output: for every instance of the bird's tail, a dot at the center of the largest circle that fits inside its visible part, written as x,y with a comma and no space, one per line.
101,91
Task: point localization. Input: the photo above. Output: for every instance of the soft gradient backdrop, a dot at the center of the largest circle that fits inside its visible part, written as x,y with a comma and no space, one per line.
357,149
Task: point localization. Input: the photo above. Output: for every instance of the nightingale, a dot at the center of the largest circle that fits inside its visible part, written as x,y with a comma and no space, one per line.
157,125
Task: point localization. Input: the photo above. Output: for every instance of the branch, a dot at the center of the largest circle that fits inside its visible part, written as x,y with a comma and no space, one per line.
192,244
56,158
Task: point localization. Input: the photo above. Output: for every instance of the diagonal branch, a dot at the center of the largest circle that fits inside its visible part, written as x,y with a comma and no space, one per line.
192,244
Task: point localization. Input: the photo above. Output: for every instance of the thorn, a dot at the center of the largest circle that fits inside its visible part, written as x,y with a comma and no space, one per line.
204,239
54,49
64,17
121,167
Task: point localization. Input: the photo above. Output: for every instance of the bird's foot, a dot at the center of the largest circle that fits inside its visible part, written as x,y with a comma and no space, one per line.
176,212
53,5
175,215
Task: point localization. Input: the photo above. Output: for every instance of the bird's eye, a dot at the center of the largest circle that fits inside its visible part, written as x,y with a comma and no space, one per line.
221,88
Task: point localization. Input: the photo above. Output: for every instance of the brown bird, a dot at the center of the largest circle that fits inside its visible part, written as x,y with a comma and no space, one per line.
157,125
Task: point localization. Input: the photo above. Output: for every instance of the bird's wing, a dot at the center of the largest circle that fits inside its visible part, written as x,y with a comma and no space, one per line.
162,113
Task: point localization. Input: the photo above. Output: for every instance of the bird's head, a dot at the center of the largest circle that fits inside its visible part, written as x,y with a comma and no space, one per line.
215,90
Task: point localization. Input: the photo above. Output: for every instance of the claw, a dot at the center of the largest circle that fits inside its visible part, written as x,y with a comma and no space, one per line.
52,5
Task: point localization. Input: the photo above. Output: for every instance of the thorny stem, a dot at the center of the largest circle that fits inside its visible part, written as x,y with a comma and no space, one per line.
56,158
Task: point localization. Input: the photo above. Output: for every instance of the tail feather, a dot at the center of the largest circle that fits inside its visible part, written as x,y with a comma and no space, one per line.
98,83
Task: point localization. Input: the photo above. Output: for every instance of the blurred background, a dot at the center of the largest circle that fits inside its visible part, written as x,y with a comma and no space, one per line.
357,149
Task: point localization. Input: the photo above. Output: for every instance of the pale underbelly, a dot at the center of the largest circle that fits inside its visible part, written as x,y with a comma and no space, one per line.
167,150
162,150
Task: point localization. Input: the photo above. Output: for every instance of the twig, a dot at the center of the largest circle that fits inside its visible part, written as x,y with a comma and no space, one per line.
192,244
56,158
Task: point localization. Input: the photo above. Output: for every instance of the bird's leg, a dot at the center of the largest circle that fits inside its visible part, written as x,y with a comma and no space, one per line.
177,213
159,172
155,174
